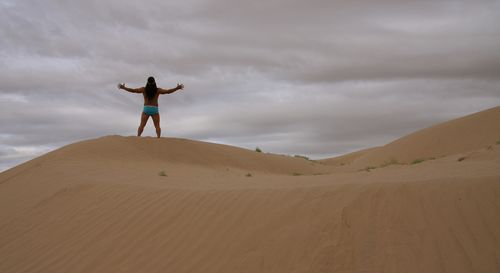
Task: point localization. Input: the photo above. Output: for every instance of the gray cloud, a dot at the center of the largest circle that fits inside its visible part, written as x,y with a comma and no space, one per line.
316,78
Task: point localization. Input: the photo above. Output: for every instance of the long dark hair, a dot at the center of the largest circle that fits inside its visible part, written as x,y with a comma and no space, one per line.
151,88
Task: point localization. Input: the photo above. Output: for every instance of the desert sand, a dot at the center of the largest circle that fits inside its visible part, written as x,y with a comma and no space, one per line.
427,202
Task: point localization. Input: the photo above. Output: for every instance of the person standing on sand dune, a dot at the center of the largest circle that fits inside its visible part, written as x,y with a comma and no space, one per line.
150,93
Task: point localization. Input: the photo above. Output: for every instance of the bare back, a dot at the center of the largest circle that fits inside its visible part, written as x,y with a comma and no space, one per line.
154,100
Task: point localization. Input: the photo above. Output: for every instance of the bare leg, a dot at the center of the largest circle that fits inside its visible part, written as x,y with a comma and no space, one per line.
144,120
156,121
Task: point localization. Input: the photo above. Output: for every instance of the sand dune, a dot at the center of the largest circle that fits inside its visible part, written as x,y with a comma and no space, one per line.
461,135
102,206
183,151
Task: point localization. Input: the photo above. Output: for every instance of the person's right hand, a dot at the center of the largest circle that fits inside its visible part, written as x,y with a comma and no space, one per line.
180,86
121,85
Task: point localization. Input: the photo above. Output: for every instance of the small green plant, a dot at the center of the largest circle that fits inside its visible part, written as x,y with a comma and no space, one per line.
417,161
296,174
388,163
368,168
258,150
461,159
498,142
301,156
162,173
248,175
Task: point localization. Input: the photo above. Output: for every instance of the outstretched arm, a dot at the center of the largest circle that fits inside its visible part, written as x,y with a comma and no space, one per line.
169,91
132,90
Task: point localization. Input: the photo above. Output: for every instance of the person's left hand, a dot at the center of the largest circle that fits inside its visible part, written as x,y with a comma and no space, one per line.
180,86
121,86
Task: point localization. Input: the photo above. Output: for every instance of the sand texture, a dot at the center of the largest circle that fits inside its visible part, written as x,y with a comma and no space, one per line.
428,202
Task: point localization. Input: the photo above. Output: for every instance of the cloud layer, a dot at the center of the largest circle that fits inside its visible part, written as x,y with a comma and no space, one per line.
318,77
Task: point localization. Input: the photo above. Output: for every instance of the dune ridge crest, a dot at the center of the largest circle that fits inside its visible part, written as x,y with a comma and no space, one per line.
170,151
465,134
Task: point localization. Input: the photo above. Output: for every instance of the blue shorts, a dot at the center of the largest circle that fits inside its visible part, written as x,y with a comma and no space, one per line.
150,110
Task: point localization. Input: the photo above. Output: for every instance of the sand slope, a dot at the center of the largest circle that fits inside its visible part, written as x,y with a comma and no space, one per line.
101,206
182,151
469,133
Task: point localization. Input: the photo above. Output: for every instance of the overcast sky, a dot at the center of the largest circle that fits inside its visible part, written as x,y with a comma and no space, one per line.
317,78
